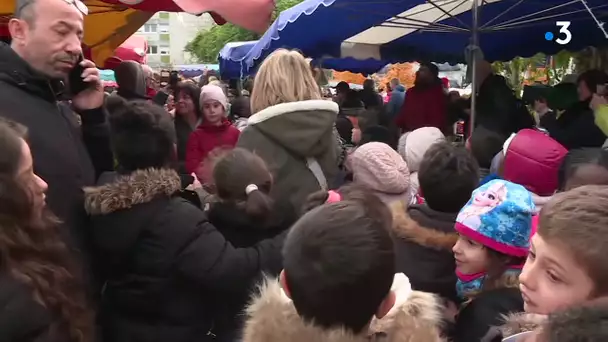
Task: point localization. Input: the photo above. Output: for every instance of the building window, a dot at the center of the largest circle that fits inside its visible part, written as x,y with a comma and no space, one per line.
150,28
152,49
163,28
164,51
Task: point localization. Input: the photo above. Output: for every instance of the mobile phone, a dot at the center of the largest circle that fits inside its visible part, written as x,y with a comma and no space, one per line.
76,83
160,98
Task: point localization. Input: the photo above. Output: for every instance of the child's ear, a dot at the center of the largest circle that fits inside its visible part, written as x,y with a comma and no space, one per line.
283,282
386,305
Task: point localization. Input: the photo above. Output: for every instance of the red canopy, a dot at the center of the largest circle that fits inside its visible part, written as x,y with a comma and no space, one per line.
133,49
253,15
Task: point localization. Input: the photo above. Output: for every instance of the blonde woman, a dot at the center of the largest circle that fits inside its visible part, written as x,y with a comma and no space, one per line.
292,128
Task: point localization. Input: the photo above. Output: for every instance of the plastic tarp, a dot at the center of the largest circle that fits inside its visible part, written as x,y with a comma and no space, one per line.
437,30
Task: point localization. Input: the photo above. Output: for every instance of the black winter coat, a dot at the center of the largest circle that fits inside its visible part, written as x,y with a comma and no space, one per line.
66,156
22,319
485,311
241,231
423,248
163,263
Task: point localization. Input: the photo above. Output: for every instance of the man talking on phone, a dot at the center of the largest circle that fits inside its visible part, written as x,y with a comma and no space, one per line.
45,47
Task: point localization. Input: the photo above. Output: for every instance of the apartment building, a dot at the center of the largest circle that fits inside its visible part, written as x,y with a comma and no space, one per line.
167,35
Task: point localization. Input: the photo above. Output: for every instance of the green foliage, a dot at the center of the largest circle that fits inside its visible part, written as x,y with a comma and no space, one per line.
208,43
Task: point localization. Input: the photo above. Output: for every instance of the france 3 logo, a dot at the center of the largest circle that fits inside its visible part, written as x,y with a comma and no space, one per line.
564,35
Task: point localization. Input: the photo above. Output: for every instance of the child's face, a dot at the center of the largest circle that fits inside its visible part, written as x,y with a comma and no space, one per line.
551,279
471,257
213,111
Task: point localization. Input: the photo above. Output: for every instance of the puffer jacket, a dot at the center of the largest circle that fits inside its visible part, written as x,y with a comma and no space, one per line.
532,159
162,262
298,143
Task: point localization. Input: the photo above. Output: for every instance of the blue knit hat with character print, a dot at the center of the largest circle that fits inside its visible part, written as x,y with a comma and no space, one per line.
498,216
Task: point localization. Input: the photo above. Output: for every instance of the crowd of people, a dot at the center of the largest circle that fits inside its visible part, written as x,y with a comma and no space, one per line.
196,212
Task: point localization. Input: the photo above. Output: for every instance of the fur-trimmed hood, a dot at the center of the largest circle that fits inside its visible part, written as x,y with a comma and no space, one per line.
141,186
305,128
406,228
272,317
521,322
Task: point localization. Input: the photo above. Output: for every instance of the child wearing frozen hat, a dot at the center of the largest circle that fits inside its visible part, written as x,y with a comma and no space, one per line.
494,228
213,133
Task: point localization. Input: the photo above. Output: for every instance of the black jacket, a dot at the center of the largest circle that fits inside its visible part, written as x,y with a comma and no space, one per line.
66,156
486,311
163,263
22,319
499,110
241,231
423,247
575,128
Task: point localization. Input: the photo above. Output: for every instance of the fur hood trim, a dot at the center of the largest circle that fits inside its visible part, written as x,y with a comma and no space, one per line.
404,227
141,186
521,322
272,317
292,107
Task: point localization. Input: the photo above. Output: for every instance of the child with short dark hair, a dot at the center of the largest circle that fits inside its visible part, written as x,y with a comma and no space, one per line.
339,267
585,166
425,232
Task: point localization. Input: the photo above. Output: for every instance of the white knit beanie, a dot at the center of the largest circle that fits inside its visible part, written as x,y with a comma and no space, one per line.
213,93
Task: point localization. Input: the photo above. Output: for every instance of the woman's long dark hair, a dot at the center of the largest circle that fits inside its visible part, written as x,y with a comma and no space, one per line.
31,250
194,92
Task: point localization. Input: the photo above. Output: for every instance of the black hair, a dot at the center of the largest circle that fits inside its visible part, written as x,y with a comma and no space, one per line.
588,322
142,134
593,78
194,92
234,171
339,262
448,175
378,134
485,144
342,87
577,158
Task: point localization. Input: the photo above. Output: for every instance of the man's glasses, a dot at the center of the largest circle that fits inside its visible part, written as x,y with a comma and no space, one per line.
76,3
79,5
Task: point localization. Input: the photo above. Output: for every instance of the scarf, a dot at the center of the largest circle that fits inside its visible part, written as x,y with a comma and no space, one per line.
468,285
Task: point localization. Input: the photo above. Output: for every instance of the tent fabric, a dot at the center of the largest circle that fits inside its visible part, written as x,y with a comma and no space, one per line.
408,30
253,15
133,49
231,65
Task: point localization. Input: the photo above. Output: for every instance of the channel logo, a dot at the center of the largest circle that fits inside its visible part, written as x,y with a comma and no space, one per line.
564,36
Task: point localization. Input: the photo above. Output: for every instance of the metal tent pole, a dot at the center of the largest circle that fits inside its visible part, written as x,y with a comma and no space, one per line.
475,44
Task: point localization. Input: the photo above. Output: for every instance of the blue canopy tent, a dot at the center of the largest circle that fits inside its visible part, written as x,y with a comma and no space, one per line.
231,58
437,30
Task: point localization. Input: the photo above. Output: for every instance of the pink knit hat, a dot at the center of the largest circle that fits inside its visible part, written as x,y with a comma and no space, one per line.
213,93
378,167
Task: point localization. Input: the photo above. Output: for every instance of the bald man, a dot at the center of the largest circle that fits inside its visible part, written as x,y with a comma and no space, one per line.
45,47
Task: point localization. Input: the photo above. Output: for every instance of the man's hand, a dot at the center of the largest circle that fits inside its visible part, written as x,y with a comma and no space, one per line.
93,96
